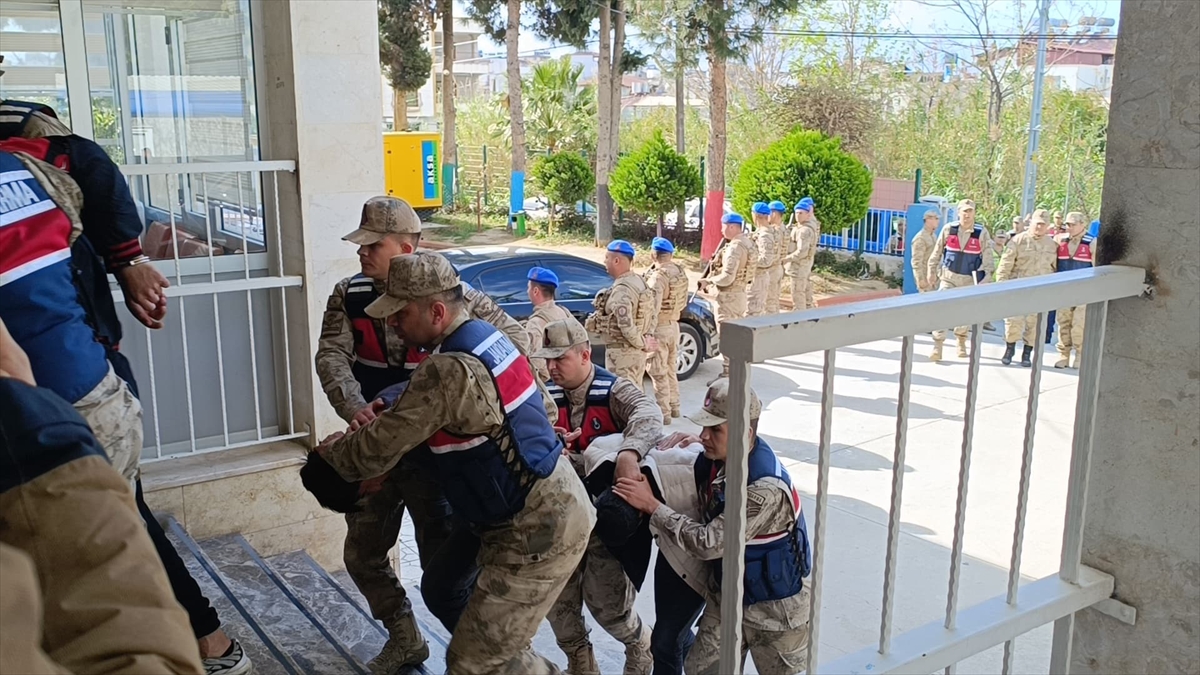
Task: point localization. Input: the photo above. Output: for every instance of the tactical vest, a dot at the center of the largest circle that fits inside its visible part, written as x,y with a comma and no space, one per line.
745,273
15,115
1082,258
597,415
371,367
644,318
781,244
960,258
674,295
38,301
487,479
776,562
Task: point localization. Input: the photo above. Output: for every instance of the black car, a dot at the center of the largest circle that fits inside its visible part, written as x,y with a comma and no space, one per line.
500,271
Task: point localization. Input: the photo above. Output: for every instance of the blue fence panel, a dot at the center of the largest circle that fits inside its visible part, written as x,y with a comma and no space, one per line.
873,234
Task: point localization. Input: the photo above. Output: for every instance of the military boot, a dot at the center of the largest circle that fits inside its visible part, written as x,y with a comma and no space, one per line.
1078,357
675,412
962,348
1025,353
1064,362
405,647
1009,350
936,354
638,660
666,420
583,662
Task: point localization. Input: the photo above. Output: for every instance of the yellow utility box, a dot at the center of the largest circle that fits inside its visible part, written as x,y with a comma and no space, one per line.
411,169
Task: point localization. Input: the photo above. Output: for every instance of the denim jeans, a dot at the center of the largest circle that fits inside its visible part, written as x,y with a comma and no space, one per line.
676,608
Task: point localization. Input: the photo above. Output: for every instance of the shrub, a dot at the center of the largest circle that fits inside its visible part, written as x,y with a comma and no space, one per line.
807,163
562,178
654,179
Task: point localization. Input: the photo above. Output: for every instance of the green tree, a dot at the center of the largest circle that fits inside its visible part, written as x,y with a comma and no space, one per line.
807,163
654,179
559,113
406,62
562,178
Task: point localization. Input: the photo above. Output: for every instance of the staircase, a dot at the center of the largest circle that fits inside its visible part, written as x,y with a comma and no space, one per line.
295,618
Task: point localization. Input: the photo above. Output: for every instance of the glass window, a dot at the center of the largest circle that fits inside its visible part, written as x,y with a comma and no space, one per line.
506,284
174,83
578,282
34,66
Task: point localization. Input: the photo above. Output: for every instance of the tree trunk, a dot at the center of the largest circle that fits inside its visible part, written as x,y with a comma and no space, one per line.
661,217
515,112
449,143
604,206
715,167
618,52
399,110
680,111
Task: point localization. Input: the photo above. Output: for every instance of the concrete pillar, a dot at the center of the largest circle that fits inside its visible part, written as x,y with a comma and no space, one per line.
1143,514
322,102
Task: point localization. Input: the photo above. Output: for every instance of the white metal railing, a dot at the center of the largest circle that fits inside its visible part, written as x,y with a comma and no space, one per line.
246,267
940,644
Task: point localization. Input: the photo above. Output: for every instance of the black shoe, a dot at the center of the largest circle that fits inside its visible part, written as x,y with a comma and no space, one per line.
1009,350
1025,360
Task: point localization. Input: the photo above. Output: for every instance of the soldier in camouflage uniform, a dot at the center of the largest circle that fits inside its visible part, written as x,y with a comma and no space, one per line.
357,359
542,286
625,316
962,258
593,402
730,273
778,558
1031,253
765,249
669,282
775,287
488,423
802,251
922,248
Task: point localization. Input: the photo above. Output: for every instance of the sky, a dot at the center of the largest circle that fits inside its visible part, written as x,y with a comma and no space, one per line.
905,15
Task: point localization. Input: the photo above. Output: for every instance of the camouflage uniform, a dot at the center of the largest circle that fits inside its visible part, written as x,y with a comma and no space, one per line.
922,248
1027,255
775,285
766,249
1070,319
802,250
600,581
624,316
731,272
947,279
535,332
669,281
524,562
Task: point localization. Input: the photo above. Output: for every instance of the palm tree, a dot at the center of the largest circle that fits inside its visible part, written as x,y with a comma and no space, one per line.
560,114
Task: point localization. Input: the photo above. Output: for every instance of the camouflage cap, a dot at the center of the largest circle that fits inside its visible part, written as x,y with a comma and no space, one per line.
560,336
716,405
382,216
1076,218
964,204
412,277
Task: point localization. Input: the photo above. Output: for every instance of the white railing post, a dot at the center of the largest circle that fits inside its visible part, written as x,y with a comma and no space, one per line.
1095,324
736,472
898,460
821,517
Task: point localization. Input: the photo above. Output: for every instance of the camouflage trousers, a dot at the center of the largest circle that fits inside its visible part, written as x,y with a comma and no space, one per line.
947,282
774,288
1070,330
801,281
756,298
524,565
775,652
601,584
1023,328
626,362
115,416
730,306
663,371
372,533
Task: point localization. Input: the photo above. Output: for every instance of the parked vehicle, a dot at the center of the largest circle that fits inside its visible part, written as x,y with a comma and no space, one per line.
691,215
500,272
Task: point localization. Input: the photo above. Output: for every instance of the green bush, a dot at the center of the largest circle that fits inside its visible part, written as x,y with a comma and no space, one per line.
807,163
562,178
654,179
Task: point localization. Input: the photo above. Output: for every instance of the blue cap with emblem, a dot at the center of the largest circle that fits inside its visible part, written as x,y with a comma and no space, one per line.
761,209
662,245
778,206
805,204
543,276
733,219
621,246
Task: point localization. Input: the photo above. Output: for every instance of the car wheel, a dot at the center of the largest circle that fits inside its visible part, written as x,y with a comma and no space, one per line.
689,352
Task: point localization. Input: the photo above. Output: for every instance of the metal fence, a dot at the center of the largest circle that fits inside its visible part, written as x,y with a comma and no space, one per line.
216,375
878,232
970,630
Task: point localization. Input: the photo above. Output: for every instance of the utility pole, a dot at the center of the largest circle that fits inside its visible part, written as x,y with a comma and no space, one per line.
1028,195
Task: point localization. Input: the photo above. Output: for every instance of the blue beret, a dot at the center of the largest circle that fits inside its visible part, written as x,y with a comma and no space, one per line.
733,219
805,204
663,245
543,276
761,208
621,246
778,206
